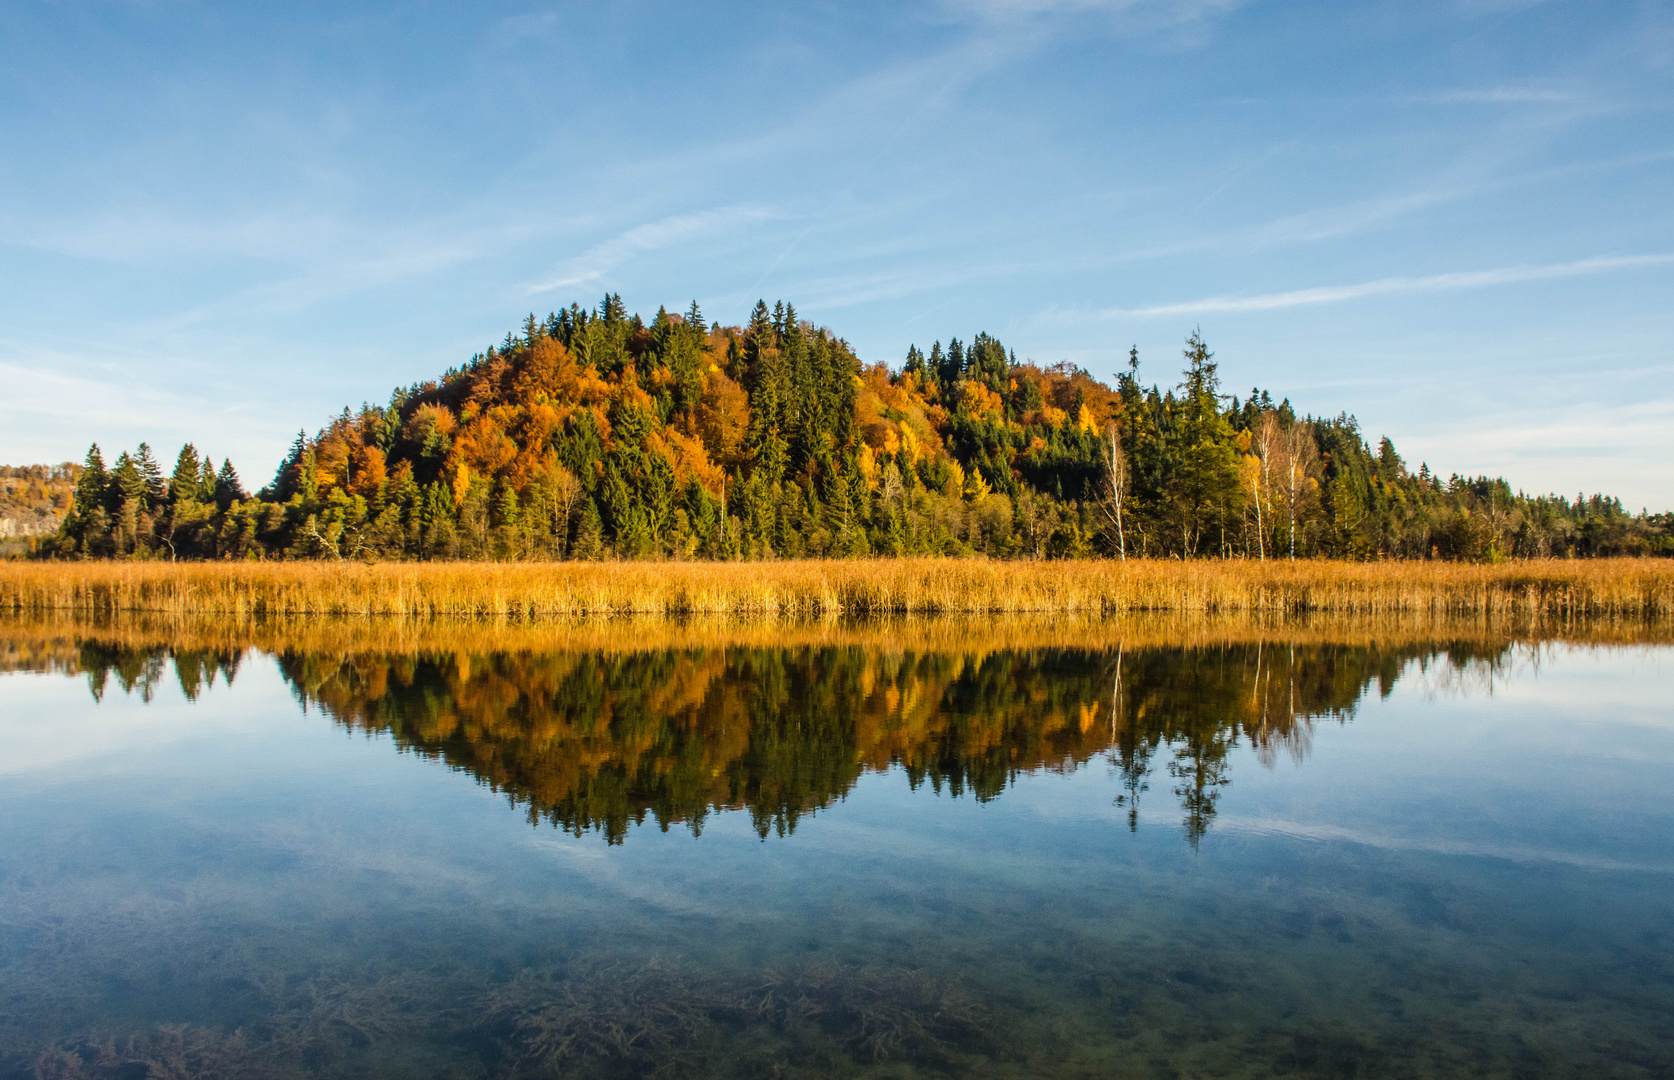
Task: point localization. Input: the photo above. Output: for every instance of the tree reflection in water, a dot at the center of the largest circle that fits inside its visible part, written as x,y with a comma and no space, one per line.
601,741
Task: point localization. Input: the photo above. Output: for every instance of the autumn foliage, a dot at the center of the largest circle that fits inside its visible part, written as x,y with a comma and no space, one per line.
595,434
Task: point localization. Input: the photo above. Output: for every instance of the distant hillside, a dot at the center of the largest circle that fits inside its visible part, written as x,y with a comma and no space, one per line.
597,434
34,500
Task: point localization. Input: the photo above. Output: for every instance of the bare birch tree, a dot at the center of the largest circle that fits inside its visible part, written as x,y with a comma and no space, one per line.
1116,486
1298,458
566,500
1264,440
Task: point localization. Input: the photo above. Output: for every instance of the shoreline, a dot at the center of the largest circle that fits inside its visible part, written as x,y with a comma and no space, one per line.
28,642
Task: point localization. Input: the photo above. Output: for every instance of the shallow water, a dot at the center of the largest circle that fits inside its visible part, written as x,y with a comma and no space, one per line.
1247,860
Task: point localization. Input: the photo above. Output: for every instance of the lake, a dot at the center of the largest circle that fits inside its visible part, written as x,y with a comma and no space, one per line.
886,853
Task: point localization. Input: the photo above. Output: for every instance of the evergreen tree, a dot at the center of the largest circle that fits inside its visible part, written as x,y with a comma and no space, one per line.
156,492
128,482
184,483
1202,481
228,489
914,365
288,481
765,436
589,538
91,486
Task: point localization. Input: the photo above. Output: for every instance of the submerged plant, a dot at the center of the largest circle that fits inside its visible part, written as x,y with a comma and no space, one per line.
658,1019
174,1051
605,1019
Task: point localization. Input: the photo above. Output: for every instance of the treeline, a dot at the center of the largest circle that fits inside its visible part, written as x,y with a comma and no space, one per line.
130,510
595,434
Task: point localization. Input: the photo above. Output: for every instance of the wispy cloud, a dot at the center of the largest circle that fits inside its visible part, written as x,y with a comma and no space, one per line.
1572,442
1165,11
516,29
1333,222
1498,95
1507,850
1334,294
145,234
364,259
601,259
58,402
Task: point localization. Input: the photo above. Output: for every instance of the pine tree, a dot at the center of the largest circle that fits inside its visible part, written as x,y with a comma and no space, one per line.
765,436
129,483
507,513
951,367
288,481
228,489
156,492
589,537
183,485
914,365
92,485
1202,470
86,527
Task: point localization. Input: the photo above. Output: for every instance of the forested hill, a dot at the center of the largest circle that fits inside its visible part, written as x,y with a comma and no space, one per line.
599,434
33,501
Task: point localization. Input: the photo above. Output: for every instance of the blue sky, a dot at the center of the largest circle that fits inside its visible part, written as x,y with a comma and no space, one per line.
1452,219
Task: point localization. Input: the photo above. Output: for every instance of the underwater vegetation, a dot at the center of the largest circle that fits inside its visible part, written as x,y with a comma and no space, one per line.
603,1019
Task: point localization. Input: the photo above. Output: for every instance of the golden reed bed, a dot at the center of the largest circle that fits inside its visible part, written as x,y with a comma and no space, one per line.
1636,589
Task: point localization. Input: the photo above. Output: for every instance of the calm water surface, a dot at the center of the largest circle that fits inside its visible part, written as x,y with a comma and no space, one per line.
1239,861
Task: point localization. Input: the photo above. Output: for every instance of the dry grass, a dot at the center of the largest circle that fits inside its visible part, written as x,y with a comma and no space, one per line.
1611,589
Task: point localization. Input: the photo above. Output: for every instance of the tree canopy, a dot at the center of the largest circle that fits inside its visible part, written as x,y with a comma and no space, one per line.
595,433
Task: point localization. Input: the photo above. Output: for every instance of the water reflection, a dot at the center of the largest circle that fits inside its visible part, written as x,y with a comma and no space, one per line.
600,741
1460,889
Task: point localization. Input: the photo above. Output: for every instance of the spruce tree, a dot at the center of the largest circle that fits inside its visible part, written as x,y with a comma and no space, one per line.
228,489
129,483
183,485
1202,470
589,536
914,365
287,482
93,483
155,490
951,367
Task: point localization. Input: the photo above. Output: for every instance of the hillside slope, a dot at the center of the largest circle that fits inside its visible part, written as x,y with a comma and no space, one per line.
34,500
596,433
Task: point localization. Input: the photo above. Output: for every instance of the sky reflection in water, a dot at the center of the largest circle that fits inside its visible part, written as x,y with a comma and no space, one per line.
1245,860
